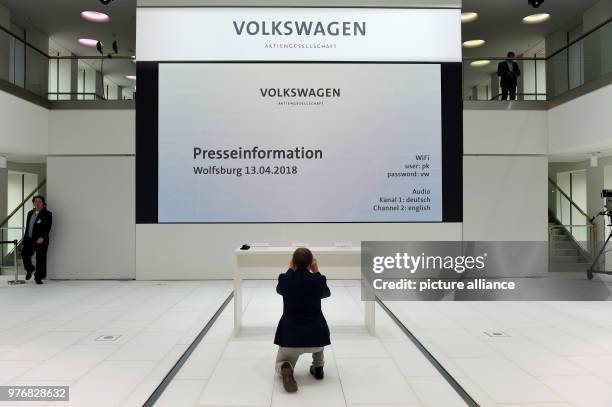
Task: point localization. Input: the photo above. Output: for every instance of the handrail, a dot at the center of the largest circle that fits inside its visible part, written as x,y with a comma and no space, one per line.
574,204
45,54
465,59
520,94
580,38
27,44
26,199
546,58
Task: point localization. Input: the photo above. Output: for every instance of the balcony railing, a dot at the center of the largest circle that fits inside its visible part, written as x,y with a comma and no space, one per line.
64,77
582,61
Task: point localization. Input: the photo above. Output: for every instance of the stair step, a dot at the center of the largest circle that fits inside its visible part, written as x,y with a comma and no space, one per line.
565,252
566,259
569,267
559,237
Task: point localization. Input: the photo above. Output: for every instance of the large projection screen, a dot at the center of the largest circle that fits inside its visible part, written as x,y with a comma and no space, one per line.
310,141
300,143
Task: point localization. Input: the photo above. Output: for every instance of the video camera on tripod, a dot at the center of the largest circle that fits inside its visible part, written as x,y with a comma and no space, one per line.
607,195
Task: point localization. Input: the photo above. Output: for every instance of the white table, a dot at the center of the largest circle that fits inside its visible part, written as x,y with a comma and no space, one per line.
266,263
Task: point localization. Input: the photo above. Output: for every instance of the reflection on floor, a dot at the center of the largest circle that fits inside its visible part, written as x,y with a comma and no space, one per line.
112,342
360,369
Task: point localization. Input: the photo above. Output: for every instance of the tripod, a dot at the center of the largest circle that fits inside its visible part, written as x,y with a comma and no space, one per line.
591,271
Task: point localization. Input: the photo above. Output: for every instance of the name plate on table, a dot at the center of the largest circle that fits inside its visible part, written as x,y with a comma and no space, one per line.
343,245
260,245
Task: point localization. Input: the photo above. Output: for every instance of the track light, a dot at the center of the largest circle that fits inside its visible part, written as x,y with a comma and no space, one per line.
100,48
533,3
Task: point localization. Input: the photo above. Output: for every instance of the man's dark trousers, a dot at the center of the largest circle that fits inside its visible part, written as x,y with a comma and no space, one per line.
510,89
29,248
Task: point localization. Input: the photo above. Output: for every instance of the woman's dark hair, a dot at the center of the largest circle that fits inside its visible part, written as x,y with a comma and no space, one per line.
42,198
302,257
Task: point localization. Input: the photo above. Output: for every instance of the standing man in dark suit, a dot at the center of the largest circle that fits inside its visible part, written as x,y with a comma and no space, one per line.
508,72
36,239
302,327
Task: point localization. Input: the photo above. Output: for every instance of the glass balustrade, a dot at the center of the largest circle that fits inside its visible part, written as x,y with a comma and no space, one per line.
480,80
65,77
579,62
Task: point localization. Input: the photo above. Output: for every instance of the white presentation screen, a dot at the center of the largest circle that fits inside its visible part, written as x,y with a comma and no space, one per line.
299,142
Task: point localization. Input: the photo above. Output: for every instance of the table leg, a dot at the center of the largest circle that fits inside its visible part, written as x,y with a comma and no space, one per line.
370,320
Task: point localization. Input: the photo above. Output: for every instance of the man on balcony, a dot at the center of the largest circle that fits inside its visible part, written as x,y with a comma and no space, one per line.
508,72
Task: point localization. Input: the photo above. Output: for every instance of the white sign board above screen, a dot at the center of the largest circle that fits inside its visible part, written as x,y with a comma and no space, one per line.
298,34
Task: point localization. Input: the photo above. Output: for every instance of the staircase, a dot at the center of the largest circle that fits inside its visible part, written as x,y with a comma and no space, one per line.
565,254
12,228
570,233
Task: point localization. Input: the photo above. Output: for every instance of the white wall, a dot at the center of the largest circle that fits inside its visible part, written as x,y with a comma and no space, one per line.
505,132
23,126
91,184
505,198
505,180
93,233
582,125
92,132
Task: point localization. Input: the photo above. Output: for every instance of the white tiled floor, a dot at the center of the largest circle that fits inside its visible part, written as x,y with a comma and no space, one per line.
558,353
360,369
48,336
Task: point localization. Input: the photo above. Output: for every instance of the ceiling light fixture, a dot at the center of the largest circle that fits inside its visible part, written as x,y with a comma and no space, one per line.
95,16
479,63
473,43
536,18
130,77
468,17
88,42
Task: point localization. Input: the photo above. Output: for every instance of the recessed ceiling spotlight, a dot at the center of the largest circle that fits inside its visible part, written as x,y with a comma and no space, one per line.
481,62
131,77
468,17
88,42
95,16
536,18
473,43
